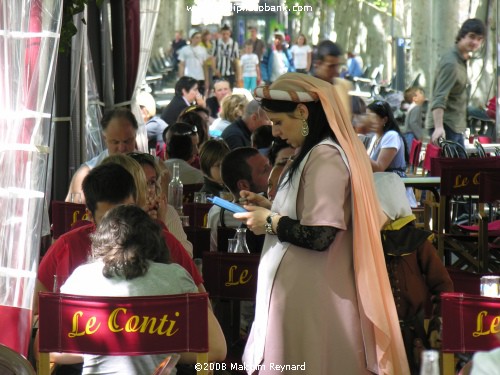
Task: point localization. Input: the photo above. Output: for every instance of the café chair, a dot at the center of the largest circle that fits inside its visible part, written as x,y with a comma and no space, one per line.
431,151
483,139
66,216
489,230
223,235
414,157
459,177
102,326
197,212
230,278
13,363
480,149
188,191
200,238
469,323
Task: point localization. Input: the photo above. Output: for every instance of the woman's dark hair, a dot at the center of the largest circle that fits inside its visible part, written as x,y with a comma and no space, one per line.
126,240
262,137
121,112
277,145
383,109
186,83
211,153
193,118
319,127
180,147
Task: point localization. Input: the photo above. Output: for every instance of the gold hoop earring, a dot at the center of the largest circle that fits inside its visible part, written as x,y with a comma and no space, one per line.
305,128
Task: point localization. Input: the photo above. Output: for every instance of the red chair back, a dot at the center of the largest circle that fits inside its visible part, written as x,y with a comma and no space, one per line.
122,325
440,163
416,148
188,191
231,276
200,238
469,322
489,186
198,213
65,215
484,139
431,151
464,282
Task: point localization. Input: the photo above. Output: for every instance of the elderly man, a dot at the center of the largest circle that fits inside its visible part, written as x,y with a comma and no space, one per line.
119,128
239,133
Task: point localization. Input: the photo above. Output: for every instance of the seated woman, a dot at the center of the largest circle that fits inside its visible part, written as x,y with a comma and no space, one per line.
157,179
389,152
130,258
197,117
211,154
232,107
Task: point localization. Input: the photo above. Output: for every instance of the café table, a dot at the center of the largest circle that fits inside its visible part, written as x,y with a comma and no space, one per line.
489,148
424,183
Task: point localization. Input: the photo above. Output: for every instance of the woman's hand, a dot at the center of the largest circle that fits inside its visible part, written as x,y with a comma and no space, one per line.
255,218
250,198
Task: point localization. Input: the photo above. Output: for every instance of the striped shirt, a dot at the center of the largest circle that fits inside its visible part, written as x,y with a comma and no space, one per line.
225,54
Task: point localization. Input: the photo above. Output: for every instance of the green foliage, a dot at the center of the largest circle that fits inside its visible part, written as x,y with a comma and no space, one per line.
68,28
384,5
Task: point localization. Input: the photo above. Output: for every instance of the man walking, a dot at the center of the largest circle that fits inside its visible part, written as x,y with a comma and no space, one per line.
227,54
447,116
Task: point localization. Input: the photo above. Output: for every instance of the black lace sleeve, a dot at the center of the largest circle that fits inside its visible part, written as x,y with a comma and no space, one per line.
315,238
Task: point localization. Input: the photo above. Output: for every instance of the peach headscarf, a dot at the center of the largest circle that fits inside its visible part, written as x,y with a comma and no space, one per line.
376,303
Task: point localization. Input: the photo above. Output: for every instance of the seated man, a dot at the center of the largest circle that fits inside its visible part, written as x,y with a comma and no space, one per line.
105,186
242,169
119,127
180,150
239,132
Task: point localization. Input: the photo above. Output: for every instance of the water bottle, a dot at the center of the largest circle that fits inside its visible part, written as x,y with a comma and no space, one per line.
430,362
175,193
241,241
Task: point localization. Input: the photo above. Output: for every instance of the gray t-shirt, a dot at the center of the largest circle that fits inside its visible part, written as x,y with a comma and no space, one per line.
161,279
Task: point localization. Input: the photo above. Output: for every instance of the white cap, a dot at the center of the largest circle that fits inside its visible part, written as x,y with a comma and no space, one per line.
145,99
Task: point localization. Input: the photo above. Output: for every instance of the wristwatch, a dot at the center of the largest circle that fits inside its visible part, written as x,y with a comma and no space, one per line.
269,223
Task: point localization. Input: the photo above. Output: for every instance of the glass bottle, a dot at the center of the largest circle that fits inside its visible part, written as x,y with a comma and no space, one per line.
430,362
175,190
241,241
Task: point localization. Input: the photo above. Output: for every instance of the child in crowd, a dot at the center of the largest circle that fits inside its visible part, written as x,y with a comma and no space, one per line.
414,121
250,66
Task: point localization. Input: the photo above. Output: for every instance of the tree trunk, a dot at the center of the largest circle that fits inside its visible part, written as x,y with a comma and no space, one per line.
420,51
172,16
444,28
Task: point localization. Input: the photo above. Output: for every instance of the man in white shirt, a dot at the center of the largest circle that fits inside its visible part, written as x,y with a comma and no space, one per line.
192,61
